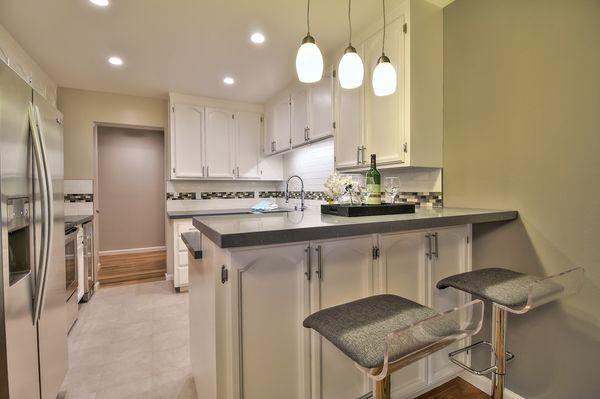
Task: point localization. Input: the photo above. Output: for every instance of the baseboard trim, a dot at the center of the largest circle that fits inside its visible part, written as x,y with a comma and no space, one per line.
485,384
132,251
169,276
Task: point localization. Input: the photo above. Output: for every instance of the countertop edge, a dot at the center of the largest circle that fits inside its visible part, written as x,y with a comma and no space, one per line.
193,242
251,239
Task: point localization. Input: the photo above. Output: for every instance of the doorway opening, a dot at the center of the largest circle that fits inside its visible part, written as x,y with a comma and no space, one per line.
130,206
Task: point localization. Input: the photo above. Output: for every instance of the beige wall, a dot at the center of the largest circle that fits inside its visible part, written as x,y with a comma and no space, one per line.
131,193
82,109
522,131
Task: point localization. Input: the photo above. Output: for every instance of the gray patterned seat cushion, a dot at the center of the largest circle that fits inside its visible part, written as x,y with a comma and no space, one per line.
359,328
498,285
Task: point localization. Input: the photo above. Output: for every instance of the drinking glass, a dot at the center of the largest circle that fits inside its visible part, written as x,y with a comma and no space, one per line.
392,188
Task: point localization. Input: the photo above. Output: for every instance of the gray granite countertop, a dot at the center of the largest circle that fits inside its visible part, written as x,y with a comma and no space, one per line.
229,231
218,212
193,242
78,219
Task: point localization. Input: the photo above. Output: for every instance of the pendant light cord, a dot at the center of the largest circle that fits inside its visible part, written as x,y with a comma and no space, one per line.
308,17
350,22
383,41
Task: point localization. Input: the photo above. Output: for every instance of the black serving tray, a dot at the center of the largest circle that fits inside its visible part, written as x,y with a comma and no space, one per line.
367,210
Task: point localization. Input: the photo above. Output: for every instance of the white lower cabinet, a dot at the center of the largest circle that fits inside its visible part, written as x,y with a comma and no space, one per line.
342,272
272,303
263,294
180,252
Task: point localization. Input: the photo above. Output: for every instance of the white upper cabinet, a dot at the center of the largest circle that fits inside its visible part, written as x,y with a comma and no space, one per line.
384,116
247,144
187,132
218,142
349,132
321,108
299,113
405,128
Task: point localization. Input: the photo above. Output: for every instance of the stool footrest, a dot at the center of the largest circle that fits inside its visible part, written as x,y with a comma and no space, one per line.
453,359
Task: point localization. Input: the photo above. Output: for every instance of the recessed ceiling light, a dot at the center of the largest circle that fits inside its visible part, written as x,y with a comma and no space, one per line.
115,61
100,3
257,38
228,80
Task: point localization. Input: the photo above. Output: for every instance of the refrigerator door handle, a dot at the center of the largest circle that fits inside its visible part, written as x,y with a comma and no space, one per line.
47,210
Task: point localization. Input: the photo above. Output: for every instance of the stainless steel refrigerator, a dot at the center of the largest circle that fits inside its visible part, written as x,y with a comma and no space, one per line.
33,336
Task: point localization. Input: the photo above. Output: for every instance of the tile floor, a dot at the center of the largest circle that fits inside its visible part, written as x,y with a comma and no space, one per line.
131,342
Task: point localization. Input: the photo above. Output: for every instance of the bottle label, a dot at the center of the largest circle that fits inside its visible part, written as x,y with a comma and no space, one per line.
374,191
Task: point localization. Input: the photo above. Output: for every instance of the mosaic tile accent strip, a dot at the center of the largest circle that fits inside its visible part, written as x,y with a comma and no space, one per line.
271,194
209,195
227,195
181,196
79,197
432,199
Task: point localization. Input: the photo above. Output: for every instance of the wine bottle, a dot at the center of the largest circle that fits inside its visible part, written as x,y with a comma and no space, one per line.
373,183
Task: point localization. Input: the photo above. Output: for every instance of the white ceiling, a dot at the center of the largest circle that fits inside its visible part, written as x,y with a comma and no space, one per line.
184,46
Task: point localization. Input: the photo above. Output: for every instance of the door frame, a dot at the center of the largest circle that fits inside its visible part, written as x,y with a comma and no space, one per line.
96,197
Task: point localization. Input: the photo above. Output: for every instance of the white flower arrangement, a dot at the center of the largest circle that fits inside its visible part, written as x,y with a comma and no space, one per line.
336,186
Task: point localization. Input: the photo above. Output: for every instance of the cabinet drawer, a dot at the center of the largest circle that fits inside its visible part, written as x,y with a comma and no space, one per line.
181,245
183,275
182,258
182,227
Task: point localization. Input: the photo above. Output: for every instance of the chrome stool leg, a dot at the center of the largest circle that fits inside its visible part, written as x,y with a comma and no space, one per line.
383,388
499,343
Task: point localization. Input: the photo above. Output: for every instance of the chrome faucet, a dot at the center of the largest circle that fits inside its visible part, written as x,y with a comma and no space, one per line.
287,192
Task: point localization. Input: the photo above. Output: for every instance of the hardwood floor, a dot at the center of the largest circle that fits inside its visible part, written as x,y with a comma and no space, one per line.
455,389
132,268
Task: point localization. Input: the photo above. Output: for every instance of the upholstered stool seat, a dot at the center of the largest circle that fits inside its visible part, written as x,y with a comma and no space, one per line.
513,292
384,333
359,328
502,286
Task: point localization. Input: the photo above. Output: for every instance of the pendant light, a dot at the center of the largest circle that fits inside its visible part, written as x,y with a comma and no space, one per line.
309,60
384,75
351,70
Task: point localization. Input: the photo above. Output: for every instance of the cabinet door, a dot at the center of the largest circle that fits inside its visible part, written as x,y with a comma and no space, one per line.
247,146
269,134
349,129
452,258
271,168
403,272
281,125
321,108
218,142
384,116
346,274
187,129
299,115
273,302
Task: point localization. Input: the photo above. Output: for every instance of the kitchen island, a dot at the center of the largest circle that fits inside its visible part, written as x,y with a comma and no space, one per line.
261,275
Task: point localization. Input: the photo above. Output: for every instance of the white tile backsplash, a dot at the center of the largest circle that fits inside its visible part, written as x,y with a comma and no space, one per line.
313,163
79,186
182,186
78,208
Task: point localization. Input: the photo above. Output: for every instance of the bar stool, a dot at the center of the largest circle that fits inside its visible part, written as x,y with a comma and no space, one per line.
513,292
384,333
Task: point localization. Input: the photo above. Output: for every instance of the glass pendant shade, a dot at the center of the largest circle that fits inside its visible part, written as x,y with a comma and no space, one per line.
351,70
384,77
309,61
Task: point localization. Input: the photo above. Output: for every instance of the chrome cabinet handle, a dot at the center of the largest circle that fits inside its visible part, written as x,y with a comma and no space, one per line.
207,173
428,252
308,261
203,171
319,270
363,154
435,245
358,155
